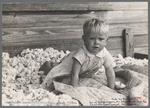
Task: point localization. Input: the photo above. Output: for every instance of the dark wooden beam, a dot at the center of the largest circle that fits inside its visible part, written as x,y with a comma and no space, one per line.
129,48
141,56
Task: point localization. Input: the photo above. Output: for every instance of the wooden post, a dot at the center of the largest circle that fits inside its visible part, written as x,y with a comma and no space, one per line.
129,43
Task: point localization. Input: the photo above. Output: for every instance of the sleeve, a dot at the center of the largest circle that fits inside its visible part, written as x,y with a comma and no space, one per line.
80,55
108,60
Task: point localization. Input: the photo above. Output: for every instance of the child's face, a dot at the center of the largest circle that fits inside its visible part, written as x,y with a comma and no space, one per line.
94,42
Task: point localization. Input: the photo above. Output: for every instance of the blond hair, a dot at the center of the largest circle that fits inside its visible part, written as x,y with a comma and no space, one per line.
95,25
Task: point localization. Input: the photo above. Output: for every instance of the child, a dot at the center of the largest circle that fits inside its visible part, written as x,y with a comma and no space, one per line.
88,59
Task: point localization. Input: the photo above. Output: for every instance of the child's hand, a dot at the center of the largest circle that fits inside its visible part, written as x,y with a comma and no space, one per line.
119,85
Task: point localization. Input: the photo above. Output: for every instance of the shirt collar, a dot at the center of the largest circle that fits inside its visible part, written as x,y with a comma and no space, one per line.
101,54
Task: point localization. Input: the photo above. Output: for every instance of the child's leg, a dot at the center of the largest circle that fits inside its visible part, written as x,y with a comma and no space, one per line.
130,76
61,70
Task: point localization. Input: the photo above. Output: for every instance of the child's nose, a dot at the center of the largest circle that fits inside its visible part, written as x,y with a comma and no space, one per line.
96,41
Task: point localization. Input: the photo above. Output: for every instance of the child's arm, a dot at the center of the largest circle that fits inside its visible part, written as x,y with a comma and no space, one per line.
110,77
75,73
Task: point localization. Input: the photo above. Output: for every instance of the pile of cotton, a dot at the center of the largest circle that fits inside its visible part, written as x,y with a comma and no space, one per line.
21,78
119,60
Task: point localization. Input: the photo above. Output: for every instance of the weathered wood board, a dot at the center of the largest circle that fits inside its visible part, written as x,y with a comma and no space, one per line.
29,40
140,41
75,6
142,50
59,25
129,42
115,29
35,19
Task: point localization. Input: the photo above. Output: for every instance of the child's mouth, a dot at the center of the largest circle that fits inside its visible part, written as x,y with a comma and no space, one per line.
96,47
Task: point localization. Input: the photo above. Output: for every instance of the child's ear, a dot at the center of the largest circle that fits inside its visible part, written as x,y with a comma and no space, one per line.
107,39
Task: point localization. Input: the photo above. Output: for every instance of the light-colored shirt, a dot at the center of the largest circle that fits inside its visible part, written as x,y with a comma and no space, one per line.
89,62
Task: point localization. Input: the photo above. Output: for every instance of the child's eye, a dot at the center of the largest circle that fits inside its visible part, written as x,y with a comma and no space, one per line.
91,38
101,39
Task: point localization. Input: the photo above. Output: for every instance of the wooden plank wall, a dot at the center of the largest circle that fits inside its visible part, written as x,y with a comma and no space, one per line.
59,25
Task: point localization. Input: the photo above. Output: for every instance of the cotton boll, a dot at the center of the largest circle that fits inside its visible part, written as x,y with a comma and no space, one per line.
4,100
15,94
48,59
51,97
5,90
28,56
119,61
26,51
43,59
9,73
9,93
25,71
13,61
58,60
4,83
54,55
4,96
35,79
37,59
61,52
13,72
20,96
12,86
26,63
120,56
44,100
67,52
36,64
5,70
21,80
55,101
35,53
128,60
20,66
5,63
30,96
50,49
45,55
5,56
40,50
